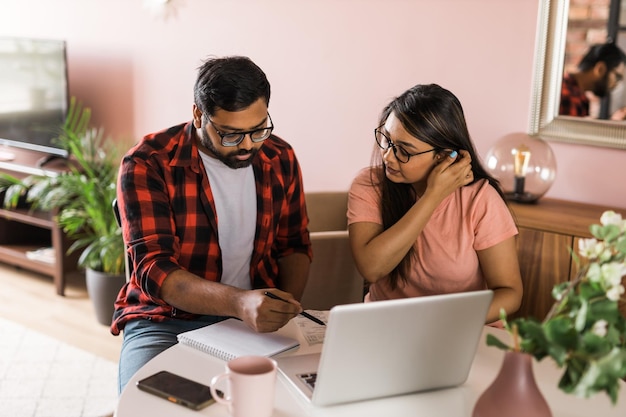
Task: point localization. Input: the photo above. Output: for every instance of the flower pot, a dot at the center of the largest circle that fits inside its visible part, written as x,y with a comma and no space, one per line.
103,289
514,392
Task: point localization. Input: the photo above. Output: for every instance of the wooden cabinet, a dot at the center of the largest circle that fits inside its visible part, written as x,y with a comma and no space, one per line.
548,230
23,230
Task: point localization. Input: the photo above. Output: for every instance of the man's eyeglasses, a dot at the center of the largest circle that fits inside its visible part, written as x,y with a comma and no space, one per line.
401,154
234,139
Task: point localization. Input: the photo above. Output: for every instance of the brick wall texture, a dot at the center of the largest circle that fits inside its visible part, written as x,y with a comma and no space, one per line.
587,25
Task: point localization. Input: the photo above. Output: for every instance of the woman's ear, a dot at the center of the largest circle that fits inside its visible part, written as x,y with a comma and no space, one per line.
440,155
446,153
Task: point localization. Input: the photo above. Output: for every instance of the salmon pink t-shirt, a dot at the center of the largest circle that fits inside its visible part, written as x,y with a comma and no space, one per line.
471,219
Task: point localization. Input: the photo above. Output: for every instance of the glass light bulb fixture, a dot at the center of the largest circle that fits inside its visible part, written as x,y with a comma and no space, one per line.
524,165
521,158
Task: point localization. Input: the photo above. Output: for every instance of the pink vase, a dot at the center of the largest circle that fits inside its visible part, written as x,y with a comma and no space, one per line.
514,392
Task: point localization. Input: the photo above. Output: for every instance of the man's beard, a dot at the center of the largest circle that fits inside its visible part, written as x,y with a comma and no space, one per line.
228,159
601,87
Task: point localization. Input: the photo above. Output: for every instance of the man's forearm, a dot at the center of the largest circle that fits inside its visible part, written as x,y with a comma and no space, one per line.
193,294
188,292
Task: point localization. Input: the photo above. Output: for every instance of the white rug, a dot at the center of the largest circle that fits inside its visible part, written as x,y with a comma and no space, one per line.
43,377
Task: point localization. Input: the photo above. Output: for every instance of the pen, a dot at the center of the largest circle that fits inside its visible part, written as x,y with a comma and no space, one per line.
304,313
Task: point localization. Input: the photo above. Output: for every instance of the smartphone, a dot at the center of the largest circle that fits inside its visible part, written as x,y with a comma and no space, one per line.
177,389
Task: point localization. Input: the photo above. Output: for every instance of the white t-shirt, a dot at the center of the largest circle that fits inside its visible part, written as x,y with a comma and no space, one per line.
234,193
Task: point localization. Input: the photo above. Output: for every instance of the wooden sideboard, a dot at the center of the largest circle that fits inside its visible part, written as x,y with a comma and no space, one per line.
23,230
548,230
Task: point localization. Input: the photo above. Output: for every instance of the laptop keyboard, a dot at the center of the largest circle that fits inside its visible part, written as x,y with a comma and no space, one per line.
309,379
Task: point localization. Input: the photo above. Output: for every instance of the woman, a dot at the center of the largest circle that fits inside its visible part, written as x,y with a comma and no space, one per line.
426,218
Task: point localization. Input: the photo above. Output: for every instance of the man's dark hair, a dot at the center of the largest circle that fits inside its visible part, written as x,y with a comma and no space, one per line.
229,83
609,53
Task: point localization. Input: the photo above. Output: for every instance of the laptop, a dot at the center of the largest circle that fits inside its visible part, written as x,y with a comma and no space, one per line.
393,347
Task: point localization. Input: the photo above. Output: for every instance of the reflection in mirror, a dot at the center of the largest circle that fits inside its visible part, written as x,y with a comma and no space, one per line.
592,22
549,66
591,83
618,97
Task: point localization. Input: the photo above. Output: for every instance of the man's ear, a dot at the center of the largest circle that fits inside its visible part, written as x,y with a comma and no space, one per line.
600,69
197,117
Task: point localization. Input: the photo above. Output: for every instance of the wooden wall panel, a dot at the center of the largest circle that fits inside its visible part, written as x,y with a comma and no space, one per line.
548,229
544,261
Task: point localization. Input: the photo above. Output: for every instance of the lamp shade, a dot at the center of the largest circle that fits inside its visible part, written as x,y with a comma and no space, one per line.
524,165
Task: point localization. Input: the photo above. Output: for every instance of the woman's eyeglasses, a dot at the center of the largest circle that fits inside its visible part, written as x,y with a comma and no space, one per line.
401,154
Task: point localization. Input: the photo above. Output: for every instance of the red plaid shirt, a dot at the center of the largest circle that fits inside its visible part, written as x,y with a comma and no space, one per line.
169,218
574,101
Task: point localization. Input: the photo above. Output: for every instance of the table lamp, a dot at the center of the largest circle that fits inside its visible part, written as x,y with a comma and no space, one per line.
524,165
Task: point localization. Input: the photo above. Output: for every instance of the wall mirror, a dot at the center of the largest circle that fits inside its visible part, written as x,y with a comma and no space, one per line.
546,90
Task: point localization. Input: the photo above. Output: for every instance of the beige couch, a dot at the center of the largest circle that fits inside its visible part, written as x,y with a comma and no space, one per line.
333,277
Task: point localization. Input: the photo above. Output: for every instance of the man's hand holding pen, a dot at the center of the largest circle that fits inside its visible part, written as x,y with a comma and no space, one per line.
263,314
302,313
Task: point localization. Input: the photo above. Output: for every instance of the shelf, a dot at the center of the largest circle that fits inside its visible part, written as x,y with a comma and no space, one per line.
34,218
16,255
23,230
26,162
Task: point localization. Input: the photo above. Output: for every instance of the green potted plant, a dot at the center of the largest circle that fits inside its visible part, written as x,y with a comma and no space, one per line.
584,332
81,197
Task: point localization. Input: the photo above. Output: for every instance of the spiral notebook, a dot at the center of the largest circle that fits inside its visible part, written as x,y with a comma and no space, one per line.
232,338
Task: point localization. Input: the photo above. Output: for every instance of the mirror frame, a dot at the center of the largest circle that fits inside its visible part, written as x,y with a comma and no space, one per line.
546,90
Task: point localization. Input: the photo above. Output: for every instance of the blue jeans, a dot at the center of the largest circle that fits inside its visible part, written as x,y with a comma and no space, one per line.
144,339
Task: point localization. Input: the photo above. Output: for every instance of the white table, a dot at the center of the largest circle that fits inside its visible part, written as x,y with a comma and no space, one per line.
457,402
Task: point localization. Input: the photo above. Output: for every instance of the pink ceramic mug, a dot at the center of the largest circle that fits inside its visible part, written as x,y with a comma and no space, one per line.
250,387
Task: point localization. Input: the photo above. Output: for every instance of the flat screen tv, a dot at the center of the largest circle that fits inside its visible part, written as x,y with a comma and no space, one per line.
33,93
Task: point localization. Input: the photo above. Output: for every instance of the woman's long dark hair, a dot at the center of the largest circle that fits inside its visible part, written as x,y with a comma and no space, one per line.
435,116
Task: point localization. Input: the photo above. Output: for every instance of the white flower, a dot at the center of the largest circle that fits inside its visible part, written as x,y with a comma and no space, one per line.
599,328
611,217
614,293
605,255
612,273
590,248
594,273
609,275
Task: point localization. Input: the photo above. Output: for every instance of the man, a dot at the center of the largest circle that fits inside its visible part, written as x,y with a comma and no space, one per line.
213,212
599,72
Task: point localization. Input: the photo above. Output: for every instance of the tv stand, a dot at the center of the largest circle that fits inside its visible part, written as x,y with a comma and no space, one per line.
23,231
46,159
6,155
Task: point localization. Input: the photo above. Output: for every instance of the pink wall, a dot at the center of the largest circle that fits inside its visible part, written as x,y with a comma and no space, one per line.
333,65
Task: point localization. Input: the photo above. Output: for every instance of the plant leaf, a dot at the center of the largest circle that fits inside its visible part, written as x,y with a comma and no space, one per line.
494,341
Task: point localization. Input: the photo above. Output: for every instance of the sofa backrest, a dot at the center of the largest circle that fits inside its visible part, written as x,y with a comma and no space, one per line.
327,210
333,277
